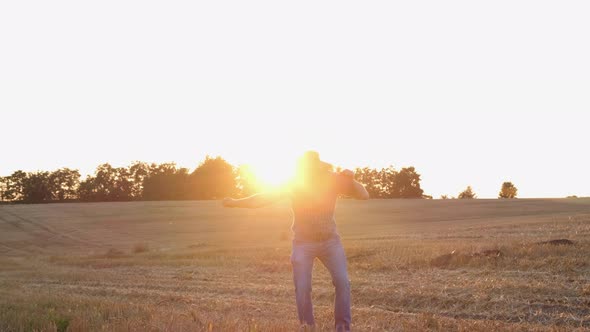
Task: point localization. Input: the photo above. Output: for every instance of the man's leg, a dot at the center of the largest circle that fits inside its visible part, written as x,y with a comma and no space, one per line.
302,260
334,258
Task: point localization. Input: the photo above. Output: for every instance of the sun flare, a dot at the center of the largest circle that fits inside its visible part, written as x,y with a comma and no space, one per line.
273,174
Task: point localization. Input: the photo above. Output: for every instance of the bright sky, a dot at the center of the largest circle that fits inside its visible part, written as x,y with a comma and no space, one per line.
468,92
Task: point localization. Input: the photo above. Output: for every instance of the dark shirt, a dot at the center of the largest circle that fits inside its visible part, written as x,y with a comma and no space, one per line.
313,208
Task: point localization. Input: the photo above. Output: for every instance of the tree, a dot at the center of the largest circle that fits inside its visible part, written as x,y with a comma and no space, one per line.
123,184
138,172
14,184
166,182
214,178
467,194
103,183
64,184
37,188
508,190
389,183
107,184
372,180
3,187
87,190
407,184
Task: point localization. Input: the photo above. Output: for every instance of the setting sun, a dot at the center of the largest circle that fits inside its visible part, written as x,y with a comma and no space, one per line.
273,173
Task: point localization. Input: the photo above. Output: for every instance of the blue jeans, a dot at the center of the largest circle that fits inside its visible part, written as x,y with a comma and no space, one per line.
331,254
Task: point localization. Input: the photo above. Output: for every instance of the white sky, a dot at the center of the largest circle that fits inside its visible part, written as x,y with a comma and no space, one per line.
468,92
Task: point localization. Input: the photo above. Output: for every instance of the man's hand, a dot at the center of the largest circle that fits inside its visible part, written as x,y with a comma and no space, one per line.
347,173
228,202
357,190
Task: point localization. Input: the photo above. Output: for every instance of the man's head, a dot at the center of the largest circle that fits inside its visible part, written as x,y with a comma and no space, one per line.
310,163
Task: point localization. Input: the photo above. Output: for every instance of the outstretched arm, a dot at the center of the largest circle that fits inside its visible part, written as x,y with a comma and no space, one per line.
254,201
357,190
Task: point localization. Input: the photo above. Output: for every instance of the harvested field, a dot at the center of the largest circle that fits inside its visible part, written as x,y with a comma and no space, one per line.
457,265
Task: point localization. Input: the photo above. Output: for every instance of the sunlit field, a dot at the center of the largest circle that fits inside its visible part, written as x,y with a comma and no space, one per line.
458,265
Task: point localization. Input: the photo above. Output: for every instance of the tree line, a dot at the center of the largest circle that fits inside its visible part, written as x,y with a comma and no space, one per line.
507,191
390,183
213,178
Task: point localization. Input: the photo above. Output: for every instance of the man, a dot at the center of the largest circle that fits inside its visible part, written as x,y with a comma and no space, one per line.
313,194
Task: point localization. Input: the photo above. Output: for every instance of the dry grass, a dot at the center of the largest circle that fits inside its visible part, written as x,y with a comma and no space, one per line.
140,247
82,267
